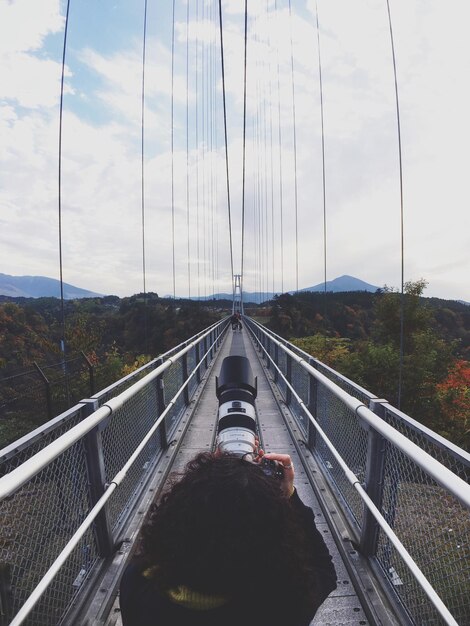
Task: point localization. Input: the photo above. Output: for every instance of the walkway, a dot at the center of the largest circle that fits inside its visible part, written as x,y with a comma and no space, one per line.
356,599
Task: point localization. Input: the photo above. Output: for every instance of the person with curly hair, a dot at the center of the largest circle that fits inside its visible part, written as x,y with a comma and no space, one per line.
228,545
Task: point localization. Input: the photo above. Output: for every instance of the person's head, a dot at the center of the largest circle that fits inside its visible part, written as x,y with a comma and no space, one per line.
227,528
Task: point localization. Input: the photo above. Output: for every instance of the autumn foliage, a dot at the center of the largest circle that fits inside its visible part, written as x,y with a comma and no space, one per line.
454,400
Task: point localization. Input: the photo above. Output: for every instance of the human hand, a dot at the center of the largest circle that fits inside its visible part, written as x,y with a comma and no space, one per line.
284,460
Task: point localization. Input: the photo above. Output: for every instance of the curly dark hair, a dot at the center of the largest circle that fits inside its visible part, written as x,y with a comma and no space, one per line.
226,528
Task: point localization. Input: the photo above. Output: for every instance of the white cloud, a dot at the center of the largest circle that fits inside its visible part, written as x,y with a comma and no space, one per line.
27,79
101,162
24,24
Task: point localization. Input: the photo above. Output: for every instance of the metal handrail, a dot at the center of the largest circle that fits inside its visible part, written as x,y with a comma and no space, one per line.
32,466
22,443
440,473
458,453
114,483
151,363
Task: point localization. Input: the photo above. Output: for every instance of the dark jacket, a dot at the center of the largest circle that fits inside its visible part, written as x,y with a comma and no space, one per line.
142,604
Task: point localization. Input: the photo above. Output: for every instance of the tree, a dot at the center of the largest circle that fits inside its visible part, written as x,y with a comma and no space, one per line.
426,357
329,350
453,394
388,308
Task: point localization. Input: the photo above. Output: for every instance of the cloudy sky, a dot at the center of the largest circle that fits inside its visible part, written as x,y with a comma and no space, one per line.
101,149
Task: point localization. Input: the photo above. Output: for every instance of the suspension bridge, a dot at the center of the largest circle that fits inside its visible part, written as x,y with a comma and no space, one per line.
390,496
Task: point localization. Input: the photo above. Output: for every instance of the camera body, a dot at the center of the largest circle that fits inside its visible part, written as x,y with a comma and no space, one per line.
272,468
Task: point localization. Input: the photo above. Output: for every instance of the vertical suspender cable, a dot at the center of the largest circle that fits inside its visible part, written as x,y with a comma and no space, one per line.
280,159
61,274
216,145
323,167
142,169
295,153
203,131
265,141
268,18
402,244
244,148
197,154
226,143
213,148
173,149
142,149
187,151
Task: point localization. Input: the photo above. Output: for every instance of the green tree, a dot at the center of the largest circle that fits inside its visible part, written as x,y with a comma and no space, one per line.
426,357
332,351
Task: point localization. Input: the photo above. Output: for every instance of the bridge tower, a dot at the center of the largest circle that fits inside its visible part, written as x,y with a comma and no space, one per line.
237,306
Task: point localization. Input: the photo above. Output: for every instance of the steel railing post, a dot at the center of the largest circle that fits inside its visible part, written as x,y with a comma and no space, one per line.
185,378
374,482
205,352
276,361
288,378
91,373
312,407
47,387
94,457
6,595
198,358
161,405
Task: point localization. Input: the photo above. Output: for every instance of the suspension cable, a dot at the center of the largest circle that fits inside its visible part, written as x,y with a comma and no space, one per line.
295,153
173,149
225,139
323,169
268,19
61,110
280,158
402,243
203,146
244,146
187,152
212,147
197,155
142,170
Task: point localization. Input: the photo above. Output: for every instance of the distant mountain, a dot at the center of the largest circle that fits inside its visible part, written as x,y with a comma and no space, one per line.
40,287
342,283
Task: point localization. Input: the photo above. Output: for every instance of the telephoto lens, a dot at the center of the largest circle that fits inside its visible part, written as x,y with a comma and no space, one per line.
236,390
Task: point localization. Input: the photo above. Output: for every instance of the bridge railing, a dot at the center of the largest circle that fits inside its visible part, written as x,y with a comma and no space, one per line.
56,484
405,488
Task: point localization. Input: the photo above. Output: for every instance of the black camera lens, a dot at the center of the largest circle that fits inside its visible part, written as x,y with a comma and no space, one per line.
236,390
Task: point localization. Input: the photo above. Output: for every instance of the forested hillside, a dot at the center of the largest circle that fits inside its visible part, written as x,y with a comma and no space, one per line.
105,338
359,335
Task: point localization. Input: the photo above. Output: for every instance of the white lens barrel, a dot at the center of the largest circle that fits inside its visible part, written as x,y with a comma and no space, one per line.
237,441
238,407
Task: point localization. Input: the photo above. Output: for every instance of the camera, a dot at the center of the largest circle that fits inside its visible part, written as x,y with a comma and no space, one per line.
236,389
272,468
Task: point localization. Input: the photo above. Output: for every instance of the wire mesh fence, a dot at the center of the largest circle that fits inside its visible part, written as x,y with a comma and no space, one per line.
39,518
430,522
30,398
37,523
435,529
342,427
